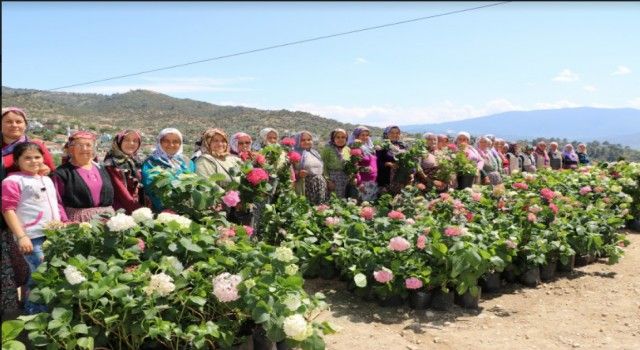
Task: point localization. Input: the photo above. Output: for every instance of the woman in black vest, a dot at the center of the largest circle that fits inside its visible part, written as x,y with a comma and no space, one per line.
84,186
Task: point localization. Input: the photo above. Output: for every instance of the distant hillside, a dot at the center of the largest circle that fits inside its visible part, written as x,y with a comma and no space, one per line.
620,125
150,112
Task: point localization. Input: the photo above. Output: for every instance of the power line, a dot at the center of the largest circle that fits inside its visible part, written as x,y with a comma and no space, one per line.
278,46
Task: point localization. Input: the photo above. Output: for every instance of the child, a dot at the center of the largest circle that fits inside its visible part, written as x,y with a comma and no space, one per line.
29,202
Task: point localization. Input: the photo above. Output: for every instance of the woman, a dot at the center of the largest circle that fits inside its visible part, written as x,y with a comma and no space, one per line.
462,142
216,159
166,156
429,166
310,181
367,166
443,141
499,150
515,158
14,127
267,136
124,168
489,173
555,156
83,186
541,156
583,157
569,157
528,160
386,161
334,155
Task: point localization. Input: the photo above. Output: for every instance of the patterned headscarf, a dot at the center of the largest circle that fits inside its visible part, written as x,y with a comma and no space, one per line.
116,156
569,152
207,139
333,134
303,152
262,138
159,153
233,144
366,148
8,149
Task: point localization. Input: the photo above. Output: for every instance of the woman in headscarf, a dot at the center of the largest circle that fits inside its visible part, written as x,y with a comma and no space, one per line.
14,127
498,150
528,160
583,157
267,136
310,181
462,142
215,157
490,171
83,186
386,160
124,167
555,156
168,156
367,166
541,156
515,158
334,155
569,157
426,173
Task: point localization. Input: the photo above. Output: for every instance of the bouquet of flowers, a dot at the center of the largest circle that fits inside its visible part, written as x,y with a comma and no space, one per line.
351,167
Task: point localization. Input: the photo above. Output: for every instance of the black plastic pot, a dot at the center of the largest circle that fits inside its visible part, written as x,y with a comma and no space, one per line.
152,345
467,300
328,271
583,260
634,225
491,282
465,181
366,293
391,301
419,300
548,271
260,340
282,345
442,301
569,266
510,274
531,277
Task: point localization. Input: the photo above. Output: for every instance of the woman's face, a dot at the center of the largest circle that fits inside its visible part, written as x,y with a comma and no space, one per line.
13,126
306,141
272,138
218,144
462,140
170,143
130,143
30,161
432,141
364,136
340,139
582,148
394,134
483,144
244,144
442,142
82,151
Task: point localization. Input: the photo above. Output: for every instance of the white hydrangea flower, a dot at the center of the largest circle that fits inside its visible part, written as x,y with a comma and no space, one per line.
161,283
121,222
165,218
297,328
292,302
360,280
142,215
73,276
283,254
291,269
225,287
85,226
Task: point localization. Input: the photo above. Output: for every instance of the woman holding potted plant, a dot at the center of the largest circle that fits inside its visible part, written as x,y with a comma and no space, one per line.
334,155
367,166
387,162
465,176
310,181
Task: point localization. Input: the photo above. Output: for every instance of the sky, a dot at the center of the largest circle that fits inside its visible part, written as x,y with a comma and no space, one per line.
515,56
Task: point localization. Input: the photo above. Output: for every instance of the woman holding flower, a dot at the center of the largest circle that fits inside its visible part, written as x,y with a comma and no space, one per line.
310,181
429,167
84,186
167,156
267,136
490,171
386,160
334,155
515,158
124,168
367,166
462,142
216,159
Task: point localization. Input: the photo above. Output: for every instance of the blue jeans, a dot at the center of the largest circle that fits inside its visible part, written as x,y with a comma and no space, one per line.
34,259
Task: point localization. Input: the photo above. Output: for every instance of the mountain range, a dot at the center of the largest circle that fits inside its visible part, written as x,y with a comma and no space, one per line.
584,124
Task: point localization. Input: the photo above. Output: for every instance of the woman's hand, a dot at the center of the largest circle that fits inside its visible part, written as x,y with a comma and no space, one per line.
391,165
25,245
302,174
44,170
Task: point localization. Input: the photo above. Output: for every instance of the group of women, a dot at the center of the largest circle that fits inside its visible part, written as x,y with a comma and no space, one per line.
36,193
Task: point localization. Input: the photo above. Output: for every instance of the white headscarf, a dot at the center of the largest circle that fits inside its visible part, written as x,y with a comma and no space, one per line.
161,154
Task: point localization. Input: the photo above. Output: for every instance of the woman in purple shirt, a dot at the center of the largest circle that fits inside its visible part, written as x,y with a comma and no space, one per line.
84,186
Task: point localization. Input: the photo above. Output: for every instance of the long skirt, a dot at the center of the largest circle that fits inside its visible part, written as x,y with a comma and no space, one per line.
315,189
86,214
341,180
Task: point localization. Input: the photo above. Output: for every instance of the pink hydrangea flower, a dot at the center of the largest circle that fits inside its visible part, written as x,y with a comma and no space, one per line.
520,186
395,215
260,159
547,194
228,232
356,152
249,230
367,213
531,217
445,196
332,220
584,190
398,244
410,221
231,198
413,283
453,231
421,242
257,175
225,287
322,207
452,147
554,208
421,186
458,205
511,244
141,245
294,156
383,276
288,141
476,196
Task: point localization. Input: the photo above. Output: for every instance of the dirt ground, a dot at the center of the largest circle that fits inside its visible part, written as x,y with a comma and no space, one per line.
594,307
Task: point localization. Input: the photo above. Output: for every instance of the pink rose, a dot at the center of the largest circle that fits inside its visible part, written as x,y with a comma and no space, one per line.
413,283
445,196
469,216
398,244
367,213
383,276
257,175
520,186
231,198
458,205
452,231
244,156
452,147
421,242
395,215
249,230
288,141
294,156
141,245
584,190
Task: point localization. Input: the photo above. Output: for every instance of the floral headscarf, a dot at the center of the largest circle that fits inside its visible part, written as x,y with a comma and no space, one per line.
569,152
333,136
385,136
116,156
207,139
366,148
233,144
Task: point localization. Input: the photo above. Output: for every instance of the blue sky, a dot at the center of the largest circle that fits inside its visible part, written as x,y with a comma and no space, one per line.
517,56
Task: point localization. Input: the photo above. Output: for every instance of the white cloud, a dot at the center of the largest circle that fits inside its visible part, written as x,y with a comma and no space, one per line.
622,70
566,76
635,103
589,88
170,85
556,105
361,60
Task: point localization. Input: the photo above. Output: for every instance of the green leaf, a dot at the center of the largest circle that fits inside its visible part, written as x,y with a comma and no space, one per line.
189,245
12,344
81,329
86,343
62,314
11,329
198,300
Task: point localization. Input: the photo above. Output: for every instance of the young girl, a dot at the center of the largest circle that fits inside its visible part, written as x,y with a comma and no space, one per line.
29,202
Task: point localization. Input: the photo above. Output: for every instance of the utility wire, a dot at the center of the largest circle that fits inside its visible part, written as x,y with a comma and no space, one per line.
276,46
